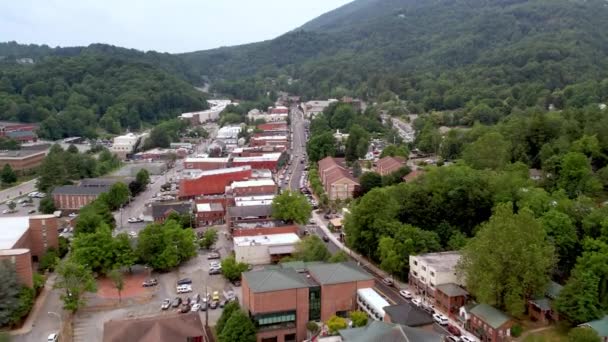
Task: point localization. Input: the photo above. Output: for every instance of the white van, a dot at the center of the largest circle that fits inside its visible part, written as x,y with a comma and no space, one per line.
184,288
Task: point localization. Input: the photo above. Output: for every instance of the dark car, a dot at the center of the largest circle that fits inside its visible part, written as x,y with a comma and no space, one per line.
197,298
176,302
214,271
184,281
325,238
150,282
185,308
213,305
222,303
236,283
203,306
452,329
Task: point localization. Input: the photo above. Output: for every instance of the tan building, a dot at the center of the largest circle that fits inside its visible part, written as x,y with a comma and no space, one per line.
387,165
23,239
22,160
72,197
337,181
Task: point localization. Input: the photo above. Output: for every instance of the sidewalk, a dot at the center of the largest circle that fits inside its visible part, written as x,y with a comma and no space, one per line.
18,190
35,312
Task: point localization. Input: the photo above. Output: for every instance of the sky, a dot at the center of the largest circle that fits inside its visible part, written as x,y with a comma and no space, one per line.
162,25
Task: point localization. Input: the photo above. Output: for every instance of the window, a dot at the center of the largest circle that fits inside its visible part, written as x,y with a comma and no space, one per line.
290,338
270,339
415,263
415,273
314,303
432,274
424,268
275,318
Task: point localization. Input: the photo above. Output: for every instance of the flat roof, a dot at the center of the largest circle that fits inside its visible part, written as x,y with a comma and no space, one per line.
206,160
222,171
276,280
336,273
271,137
207,207
264,157
12,229
442,261
250,183
79,190
266,240
20,154
372,298
253,200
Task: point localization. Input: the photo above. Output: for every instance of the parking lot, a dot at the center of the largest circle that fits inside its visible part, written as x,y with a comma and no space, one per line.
22,208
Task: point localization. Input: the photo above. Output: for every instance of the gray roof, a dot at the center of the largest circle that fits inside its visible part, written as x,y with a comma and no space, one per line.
78,190
389,332
161,209
452,290
553,290
343,272
101,182
542,303
408,314
600,326
250,211
490,315
276,280
19,134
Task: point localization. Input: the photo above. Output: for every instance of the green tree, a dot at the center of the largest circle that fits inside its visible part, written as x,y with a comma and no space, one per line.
339,256
96,250
9,292
165,246
368,181
395,151
49,260
321,146
562,232
143,177
238,328
578,302
118,195
576,176
26,302
335,323
209,238
359,318
503,275
311,248
47,205
74,280
5,337
8,176
229,309
118,281
490,151
357,143
292,207
231,269
583,335
124,254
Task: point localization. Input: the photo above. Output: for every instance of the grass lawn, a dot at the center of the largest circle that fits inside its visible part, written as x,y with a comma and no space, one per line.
553,334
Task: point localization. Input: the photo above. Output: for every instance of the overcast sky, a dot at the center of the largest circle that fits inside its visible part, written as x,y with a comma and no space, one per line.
161,25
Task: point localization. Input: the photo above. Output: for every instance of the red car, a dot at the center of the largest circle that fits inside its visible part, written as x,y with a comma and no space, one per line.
452,329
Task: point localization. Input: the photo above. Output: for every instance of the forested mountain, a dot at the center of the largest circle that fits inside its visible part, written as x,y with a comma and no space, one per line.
439,54
84,91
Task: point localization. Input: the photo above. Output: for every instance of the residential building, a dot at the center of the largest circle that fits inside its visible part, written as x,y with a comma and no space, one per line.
283,299
387,165
73,197
173,327
253,187
427,271
337,181
264,249
206,163
541,309
161,210
450,298
489,324
268,161
389,332
600,326
212,182
408,314
208,214
26,239
22,160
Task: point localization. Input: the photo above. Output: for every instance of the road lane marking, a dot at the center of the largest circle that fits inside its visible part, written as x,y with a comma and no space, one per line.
388,299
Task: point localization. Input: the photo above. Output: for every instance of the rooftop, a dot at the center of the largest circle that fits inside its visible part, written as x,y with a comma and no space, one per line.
266,240
452,290
160,209
79,190
180,327
206,160
343,272
222,171
276,280
408,314
442,261
12,230
264,157
253,200
490,315
271,137
21,154
250,211
207,207
389,332
252,183
599,325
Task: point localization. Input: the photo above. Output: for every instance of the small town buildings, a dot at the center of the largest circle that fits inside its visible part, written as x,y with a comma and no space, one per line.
208,214
212,182
161,210
124,145
264,249
268,161
272,140
22,132
74,197
165,154
211,114
272,116
450,298
283,299
249,210
337,181
389,332
273,128
312,108
22,160
427,271
228,132
26,239
387,165
600,326
206,163
489,324
173,327
265,228
541,309
408,314
253,187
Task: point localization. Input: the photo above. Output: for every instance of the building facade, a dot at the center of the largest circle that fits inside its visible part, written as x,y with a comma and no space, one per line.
22,160
72,197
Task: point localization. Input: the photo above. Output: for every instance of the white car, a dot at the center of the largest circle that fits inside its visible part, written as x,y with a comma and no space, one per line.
417,302
135,220
184,288
132,234
73,215
196,307
53,338
440,319
466,339
405,294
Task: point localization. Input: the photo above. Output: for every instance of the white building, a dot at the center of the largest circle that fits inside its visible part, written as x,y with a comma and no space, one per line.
211,114
228,133
255,114
312,108
264,249
124,144
371,303
253,200
427,271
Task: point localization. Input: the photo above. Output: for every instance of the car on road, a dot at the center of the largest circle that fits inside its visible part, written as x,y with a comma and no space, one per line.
132,234
405,294
73,215
452,339
176,302
417,302
150,282
325,238
135,220
8,211
466,339
213,255
213,271
54,337
440,319
204,306
215,264
31,211
184,281
454,330
165,304
196,307
388,281
215,296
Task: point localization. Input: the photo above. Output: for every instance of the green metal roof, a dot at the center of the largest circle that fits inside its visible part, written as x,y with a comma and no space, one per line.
490,315
342,272
276,280
389,332
553,290
600,326
452,290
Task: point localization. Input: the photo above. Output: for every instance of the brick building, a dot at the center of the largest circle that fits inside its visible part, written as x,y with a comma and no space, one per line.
268,161
206,163
337,181
73,197
208,214
22,132
282,300
274,128
387,165
253,187
173,327
212,182
489,324
22,160
250,209
26,239
161,210
261,140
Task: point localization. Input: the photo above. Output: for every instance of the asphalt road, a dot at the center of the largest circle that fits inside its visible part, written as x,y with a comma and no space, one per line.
298,149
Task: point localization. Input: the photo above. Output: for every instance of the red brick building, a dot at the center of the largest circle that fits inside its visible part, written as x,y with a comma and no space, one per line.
261,140
206,163
22,132
450,298
489,324
387,165
208,214
253,187
23,239
162,210
22,160
213,182
337,181
72,197
281,301
269,161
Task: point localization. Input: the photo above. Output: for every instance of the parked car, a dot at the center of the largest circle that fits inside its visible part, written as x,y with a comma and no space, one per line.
452,339
185,308
135,220
454,330
428,308
54,337
184,288
213,305
204,306
165,304
213,271
405,294
215,296
72,215
440,319
417,302
466,339
196,307
213,255
215,264
150,282
31,211
184,281
387,281
176,302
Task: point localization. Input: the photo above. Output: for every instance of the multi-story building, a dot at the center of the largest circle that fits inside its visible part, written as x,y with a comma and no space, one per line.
276,140
22,160
125,144
213,182
73,197
206,163
249,209
22,132
282,300
337,181
268,161
274,128
211,213
387,165
264,249
26,239
253,187
312,108
489,324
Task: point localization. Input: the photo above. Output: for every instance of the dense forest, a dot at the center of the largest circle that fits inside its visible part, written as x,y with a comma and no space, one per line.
91,93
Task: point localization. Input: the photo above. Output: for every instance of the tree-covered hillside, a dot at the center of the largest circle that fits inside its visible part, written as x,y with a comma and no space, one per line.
89,92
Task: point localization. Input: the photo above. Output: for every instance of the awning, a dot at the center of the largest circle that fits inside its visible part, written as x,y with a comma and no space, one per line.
278,250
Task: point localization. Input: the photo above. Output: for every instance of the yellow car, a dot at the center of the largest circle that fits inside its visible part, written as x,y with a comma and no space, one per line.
215,296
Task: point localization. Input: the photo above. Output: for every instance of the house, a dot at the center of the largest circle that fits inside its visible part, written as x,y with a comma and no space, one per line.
208,214
408,314
541,309
600,326
74,197
337,181
264,249
387,165
389,332
489,324
282,299
410,177
212,182
160,210
450,298
174,327
427,271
